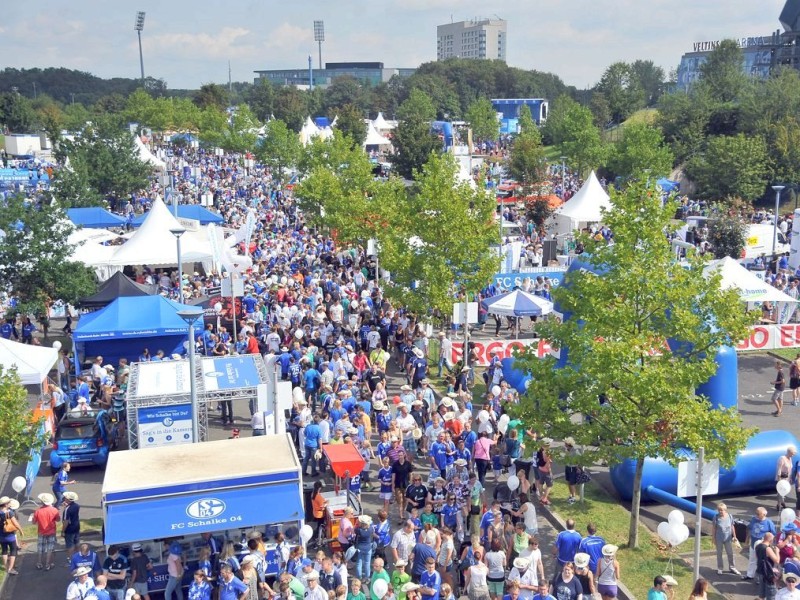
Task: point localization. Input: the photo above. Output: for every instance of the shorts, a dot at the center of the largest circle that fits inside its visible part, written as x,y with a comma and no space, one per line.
571,475
8,548
46,543
141,588
72,539
607,590
385,495
545,479
496,587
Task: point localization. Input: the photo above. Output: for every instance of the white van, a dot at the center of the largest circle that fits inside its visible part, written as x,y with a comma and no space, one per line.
758,238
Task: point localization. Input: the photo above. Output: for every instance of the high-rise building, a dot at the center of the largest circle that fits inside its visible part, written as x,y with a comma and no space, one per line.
479,38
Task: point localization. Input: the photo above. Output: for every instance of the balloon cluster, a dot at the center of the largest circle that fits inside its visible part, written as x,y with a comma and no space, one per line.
673,531
783,487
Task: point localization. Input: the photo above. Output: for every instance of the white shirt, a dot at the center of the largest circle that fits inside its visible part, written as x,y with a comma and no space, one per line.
324,431
76,591
406,423
403,542
257,421
529,577
785,594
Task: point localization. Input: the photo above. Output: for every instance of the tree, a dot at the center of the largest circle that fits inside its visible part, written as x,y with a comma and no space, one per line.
19,430
641,149
413,144
34,256
600,109
212,95
727,233
684,117
482,118
343,91
438,238
614,344
261,98
103,164
16,113
291,107
731,166
579,139
721,75
350,121
527,163
279,149
418,106
622,90
650,79
525,121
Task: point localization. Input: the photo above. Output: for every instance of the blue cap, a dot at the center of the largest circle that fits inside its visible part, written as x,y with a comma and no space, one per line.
175,548
306,563
789,527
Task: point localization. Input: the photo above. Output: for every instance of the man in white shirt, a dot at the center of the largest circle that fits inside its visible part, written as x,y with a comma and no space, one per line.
525,575
403,541
790,592
445,352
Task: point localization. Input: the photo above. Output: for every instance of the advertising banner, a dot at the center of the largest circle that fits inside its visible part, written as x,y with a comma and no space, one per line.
508,281
229,373
504,347
164,425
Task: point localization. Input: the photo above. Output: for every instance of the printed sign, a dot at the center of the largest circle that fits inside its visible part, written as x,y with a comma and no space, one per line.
230,372
164,425
505,348
508,281
164,378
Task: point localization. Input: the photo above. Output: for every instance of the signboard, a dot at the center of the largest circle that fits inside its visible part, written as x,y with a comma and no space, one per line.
458,313
771,337
505,348
508,281
229,373
165,378
687,478
164,425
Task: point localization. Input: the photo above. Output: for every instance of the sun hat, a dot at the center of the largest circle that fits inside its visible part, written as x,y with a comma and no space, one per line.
418,353
254,535
136,548
426,381
460,462
670,580
569,441
546,441
81,571
46,498
4,500
465,369
71,496
378,405
13,504
522,563
400,563
405,388
417,433
788,576
581,560
314,574
609,550
449,416
409,587
417,402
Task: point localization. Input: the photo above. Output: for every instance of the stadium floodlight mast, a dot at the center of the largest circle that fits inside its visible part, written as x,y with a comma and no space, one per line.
138,27
319,37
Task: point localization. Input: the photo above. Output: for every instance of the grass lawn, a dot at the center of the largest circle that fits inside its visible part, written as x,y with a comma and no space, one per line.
89,527
787,353
638,566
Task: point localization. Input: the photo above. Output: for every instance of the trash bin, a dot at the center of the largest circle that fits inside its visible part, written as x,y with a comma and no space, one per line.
740,530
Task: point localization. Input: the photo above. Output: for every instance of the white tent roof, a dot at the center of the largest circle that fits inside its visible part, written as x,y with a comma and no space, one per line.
584,207
374,138
153,244
381,124
148,157
85,234
33,363
751,287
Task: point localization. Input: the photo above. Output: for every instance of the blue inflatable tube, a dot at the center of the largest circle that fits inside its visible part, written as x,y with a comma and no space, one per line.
658,495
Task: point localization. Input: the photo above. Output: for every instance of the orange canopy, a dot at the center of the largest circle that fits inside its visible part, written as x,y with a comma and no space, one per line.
345,459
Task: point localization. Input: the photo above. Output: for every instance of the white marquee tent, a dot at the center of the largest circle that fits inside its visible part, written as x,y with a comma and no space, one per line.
33,363
381,124
751,287
583,208
374,138
148,157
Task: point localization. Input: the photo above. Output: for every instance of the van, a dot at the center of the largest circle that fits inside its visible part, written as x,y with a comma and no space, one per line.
758,238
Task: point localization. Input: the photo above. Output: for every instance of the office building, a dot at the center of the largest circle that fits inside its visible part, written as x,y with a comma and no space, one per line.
371,73
479,38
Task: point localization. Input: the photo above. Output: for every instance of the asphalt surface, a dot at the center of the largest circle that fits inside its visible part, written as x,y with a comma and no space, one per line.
755,373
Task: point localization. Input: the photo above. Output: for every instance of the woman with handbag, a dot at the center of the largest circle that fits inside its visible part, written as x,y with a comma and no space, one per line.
722,532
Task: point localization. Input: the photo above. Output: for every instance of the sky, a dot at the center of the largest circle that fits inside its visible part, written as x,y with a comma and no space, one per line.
189,42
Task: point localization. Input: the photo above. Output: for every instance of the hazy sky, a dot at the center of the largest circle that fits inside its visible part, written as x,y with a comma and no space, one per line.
188,43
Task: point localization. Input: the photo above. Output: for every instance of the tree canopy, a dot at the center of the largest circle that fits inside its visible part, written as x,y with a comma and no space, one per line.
19,430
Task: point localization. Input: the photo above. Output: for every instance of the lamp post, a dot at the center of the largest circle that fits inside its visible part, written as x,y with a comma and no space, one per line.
138,27
190,316
178,232
778,189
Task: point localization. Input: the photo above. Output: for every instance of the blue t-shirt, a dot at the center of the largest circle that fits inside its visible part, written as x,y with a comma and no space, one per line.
450,515
421,553
312,436
433,581
567,543
593,546
311,379
232,589
385,477
439,453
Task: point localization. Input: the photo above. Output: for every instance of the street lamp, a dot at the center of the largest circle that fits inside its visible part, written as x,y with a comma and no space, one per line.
777,189
190,316
178,232
138,27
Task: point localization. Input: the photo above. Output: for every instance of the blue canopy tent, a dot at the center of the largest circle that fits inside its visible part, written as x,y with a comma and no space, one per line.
668,186
94,217
518,304
188,211
128,325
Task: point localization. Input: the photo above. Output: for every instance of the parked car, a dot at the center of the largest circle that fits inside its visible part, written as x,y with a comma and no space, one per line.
81,438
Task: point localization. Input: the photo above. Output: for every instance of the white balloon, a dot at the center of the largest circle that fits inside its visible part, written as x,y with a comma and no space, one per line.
18,484
56,345
663,531
784,487
674,536
305,533
297,394
787,516
379,588
502,423
299,334
496,390
675,517
483,416
513,482
683,533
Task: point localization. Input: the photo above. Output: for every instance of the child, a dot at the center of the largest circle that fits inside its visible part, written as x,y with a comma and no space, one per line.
400,578
318,558
355,590
428,516
384,445
340,566
341,592
384,531
385,477
204,561
367,455
414,518
355,486
446,592
497,466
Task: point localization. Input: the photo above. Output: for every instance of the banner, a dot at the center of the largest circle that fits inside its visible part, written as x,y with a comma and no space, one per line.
771,337
164,425
505,348
510,280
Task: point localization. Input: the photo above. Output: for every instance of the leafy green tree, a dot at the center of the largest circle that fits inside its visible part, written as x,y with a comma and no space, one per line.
291,107
727,233
343,91
641,149
482,117
16,113
441,91
722,75
413,140
601,112
527,162
212,95
731,166
111,104
34,256
19,430
438,239
50,116
684,118
76,116
350,121
213,125
103,164
279,149
261,98
241,131
617,321
418,105
623,91
525,121
553,131
580,139
650,79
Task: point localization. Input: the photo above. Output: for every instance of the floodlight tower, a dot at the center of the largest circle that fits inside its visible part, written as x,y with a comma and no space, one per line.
138,27
319,37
